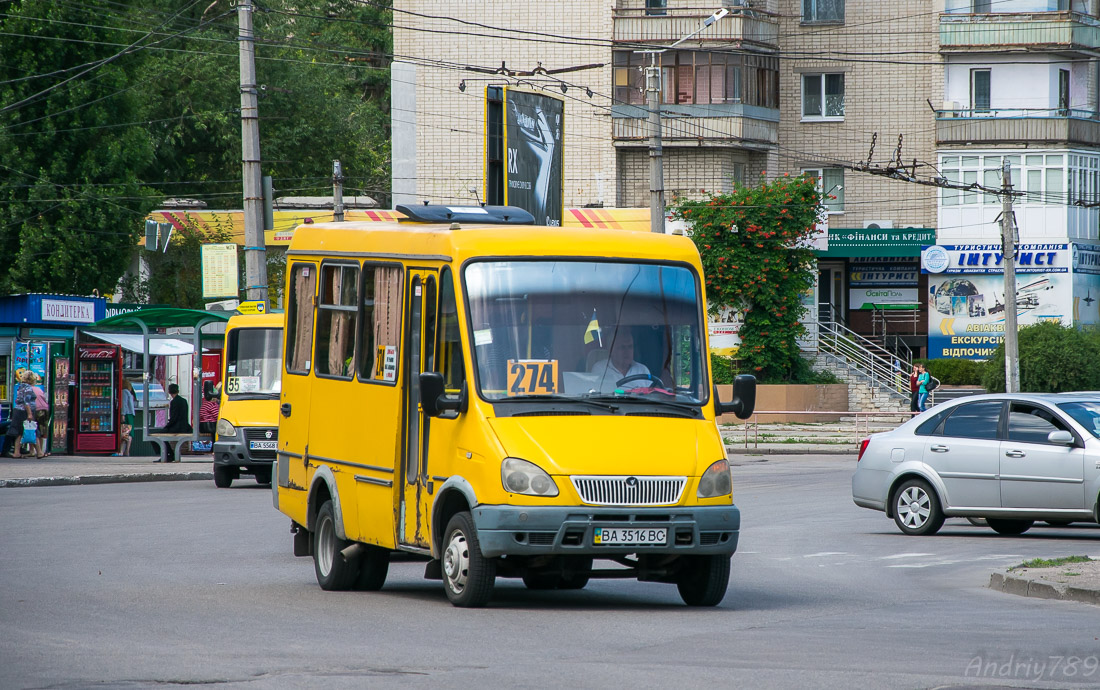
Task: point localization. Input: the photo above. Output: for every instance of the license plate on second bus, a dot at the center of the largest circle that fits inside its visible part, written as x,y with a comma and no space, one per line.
262,445
621,536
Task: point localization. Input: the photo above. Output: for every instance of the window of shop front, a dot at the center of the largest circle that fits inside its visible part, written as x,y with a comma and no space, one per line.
700,78
1044,178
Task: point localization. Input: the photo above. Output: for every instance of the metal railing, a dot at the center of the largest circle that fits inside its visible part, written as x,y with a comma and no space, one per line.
1008,113
864,357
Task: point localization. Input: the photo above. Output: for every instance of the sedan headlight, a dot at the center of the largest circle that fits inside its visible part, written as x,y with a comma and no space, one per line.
715,481
225,429
522,477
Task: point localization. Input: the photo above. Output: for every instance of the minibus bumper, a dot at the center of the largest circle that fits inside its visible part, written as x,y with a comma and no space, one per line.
539,530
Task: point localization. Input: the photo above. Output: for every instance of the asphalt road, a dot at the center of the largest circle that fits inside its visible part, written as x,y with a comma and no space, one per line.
136,585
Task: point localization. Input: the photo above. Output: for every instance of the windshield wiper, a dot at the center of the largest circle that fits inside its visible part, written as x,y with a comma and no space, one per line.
559,398
691,409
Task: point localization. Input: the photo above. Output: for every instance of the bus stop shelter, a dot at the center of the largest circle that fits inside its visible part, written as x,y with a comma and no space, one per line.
147,322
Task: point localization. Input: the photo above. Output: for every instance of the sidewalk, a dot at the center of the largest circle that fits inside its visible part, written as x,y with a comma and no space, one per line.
62,470
1070,582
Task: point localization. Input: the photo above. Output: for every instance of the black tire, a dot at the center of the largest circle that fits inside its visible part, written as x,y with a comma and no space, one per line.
578,577
468,576
917,509
374,565
976,521
334,572
223,477
1009,527
703,580
263,477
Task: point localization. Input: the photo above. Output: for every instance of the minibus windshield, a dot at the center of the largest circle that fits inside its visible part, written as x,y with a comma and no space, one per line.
583,329
254,363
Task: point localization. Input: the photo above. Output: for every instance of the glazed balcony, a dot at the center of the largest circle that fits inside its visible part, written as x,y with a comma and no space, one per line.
1018,126
639,21
1024,31
744,126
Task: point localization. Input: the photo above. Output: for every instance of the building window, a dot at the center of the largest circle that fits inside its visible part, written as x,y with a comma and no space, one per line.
980,6
1046,179
979,90
830,183
822,11
656,7
822,96
1063,92
700,78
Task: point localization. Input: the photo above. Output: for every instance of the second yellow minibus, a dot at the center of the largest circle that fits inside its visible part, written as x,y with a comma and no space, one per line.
502,400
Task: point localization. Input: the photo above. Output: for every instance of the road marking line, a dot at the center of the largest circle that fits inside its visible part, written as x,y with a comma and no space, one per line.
905,555
825,553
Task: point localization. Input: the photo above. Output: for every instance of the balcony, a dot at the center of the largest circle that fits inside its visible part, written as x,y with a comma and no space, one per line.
633,22
742,126
1042,31
1018,126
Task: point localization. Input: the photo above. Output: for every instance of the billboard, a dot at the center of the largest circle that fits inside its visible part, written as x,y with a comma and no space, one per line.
965,296
533,173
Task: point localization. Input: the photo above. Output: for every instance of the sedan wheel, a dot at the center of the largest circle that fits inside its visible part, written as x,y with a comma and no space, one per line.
917,508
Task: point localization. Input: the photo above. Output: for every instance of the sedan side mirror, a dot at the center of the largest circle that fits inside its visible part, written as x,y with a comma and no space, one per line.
1061,437
434,398
744,397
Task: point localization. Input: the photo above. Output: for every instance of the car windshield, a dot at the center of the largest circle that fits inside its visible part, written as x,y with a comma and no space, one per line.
254,363
1087,414
586,329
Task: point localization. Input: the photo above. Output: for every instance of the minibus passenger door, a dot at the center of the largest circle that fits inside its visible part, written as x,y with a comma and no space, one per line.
294,400
419,355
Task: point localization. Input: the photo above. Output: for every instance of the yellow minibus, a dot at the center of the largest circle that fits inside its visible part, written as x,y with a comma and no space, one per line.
247,432
502,400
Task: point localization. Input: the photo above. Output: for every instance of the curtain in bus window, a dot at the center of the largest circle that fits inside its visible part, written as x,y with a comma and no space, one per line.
301,317
336,320
387,321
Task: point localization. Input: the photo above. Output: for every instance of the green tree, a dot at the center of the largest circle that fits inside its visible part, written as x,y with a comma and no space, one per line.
1053,359
752,242
71,197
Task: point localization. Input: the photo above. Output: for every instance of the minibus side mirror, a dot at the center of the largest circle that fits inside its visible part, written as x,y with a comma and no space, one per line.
434,398
744,397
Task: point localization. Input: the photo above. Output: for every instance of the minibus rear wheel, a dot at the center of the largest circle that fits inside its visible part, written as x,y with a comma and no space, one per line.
468,576
374,565
703,580
334,572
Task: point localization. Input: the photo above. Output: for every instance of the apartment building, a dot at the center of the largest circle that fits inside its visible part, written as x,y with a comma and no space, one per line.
792,86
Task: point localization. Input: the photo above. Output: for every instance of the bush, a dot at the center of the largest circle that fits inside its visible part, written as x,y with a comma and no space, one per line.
955,372
1053,359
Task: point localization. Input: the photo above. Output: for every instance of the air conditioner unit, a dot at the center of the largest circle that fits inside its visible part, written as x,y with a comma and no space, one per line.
950,109
878,224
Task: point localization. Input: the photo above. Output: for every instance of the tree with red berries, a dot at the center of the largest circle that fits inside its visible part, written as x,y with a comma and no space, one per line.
754,243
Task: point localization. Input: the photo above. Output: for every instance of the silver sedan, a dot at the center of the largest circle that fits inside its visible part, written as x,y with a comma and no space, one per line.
1011,459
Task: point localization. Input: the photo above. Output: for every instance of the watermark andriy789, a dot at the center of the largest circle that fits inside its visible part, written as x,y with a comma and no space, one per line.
1053,667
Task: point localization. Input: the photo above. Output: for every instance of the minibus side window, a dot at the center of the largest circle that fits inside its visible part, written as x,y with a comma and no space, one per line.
450,337
336,310
299,336
429,324
380,322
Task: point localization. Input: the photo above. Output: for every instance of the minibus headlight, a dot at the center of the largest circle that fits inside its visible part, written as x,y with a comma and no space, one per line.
522,477
225,429
715,481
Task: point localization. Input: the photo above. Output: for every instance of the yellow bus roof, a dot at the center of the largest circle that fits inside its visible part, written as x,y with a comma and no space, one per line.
439,242
267,320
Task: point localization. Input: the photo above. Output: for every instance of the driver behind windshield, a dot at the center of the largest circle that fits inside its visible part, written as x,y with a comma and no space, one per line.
620,364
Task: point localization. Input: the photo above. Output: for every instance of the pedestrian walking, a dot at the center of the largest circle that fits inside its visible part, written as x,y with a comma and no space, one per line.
208,411
922,391
128,405
914,389
41,415
22,411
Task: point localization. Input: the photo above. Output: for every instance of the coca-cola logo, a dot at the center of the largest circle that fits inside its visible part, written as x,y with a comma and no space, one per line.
97,354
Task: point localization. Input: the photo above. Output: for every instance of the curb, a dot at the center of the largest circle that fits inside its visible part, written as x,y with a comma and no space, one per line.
1003,581
738,450
106,479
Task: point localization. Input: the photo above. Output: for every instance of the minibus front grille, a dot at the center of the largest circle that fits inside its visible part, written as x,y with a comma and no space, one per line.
629,490
261,434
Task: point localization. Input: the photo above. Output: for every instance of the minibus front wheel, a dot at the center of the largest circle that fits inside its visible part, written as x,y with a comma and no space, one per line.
468,576
703,580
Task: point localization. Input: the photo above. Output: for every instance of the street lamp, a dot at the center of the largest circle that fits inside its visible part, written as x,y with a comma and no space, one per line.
653,100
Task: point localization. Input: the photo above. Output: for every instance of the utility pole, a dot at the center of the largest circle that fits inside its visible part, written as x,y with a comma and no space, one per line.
653,102
255,252
337,192
1008,249
656,152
